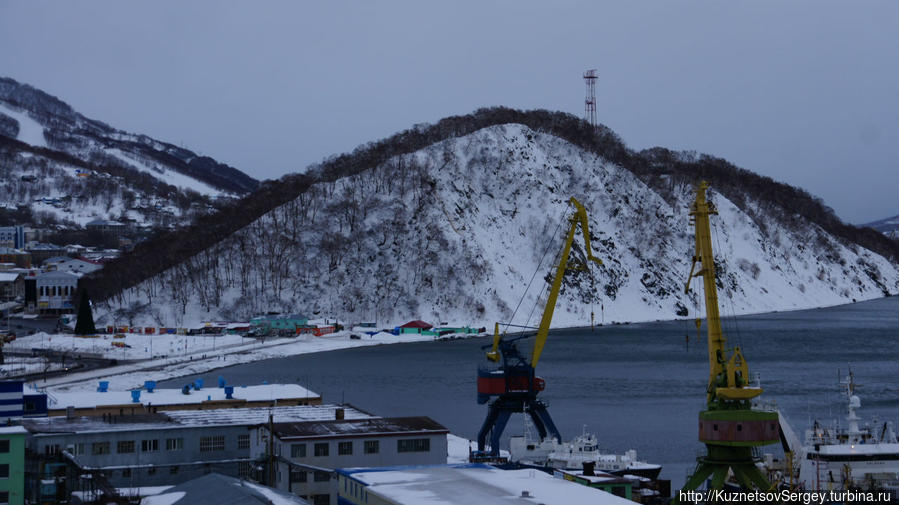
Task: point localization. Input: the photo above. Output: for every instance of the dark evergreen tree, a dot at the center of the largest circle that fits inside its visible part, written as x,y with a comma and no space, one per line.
85,323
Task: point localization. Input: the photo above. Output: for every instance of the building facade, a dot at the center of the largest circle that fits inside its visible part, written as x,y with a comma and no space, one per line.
12,465
12,287
12,236
55,292
306,454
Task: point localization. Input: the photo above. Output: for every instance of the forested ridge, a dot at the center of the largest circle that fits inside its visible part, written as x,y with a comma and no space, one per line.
659,168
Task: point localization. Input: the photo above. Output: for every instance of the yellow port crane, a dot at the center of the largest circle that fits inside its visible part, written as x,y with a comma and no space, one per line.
515,384
729,427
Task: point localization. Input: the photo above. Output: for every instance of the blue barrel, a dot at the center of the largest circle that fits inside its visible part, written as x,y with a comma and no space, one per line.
149,386
222,381
135,395
229,392
198,384
104,386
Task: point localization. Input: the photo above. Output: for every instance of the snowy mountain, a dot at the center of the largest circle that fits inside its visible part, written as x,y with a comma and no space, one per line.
71,169
455,229
888,226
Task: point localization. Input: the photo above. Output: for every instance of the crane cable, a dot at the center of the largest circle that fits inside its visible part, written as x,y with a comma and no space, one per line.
520,300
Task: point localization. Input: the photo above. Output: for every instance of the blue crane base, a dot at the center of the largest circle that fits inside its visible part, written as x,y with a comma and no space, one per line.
499,411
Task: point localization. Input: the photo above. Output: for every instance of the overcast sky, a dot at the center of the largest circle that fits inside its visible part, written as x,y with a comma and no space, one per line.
802,91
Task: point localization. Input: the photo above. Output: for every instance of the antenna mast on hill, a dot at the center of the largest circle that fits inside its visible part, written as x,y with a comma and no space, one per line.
590,101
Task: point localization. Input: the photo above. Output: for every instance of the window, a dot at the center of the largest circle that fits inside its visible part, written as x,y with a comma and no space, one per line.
4,446
318,476
174,444
124,446
321,499
4,471
321,449
79,449
4,497
99,448
151,470
344,448
413,445
372,447
244,469
173,470
149,445
243,441
297,475
216,443
126,472
297,450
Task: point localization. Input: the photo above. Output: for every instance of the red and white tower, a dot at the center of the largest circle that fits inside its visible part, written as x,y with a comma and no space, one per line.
590,101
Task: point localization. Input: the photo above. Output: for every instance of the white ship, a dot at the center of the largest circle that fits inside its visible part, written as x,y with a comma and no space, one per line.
572,456
852,457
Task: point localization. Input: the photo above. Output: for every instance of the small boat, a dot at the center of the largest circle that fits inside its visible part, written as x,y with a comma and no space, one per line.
572,456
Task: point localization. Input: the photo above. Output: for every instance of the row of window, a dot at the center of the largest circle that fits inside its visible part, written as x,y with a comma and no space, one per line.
57,290
368,447
300,475
207,444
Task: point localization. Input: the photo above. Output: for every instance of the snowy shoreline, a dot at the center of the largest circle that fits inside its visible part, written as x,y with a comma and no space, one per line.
229,350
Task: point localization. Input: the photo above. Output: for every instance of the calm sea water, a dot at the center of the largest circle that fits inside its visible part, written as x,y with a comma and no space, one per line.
636,386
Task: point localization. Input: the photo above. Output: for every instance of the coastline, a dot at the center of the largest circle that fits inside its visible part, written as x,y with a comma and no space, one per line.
132,375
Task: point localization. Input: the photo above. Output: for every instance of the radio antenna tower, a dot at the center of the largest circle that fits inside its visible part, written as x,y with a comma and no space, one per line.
590,101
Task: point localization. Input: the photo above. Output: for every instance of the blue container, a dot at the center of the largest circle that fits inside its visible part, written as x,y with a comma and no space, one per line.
149,386
198,384
229,392
135,395
104,386
222,381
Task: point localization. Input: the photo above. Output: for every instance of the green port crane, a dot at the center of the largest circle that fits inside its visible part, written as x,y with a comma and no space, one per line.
729,427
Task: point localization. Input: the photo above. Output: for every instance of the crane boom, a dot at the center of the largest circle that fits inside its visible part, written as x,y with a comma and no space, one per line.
579,217
730,427
515,385
728,378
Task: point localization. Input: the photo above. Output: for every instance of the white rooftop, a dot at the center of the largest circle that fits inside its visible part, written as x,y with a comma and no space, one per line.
162,397
190,419
468,484
9,430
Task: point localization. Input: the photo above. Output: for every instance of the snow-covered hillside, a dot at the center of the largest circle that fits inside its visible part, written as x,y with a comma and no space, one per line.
72,169
455,231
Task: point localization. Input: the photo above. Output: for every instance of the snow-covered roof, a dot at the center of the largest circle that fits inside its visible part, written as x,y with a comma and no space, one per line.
333,427
215,489
162,397
55,274
10,250
188,419
9,276
9,430
474,483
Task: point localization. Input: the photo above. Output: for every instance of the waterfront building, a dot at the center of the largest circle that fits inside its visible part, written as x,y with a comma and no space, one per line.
160,449
416,327
193,396
463,484
304,455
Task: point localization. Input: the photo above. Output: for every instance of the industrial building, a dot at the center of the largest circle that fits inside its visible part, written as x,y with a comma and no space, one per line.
463,484
304,454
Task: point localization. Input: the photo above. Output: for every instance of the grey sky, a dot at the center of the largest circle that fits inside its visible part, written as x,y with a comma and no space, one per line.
802,91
